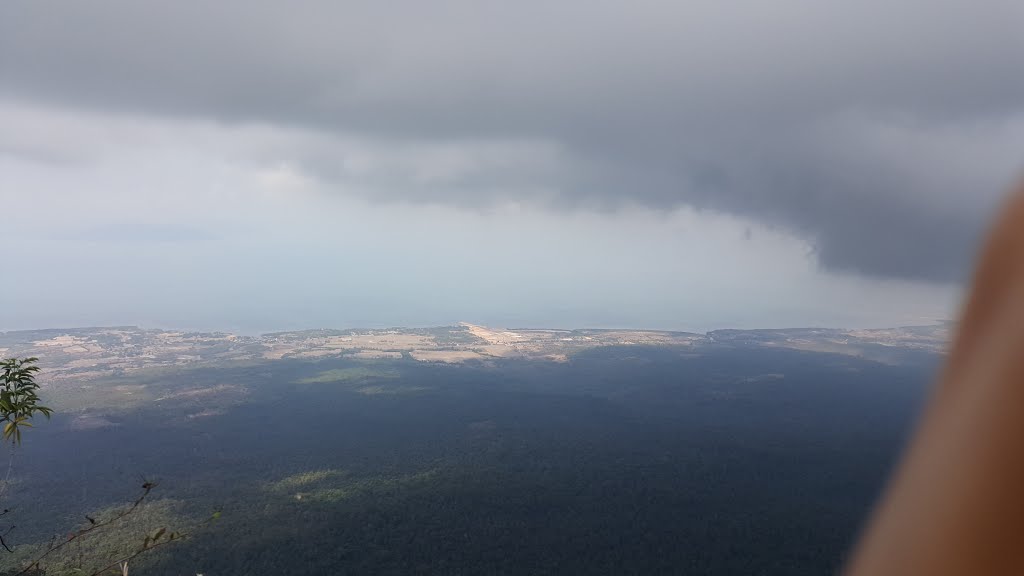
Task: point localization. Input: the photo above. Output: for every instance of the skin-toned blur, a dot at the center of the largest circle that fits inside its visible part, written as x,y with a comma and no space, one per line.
956,503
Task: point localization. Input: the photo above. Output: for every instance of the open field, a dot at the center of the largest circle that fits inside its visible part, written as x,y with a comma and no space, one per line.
85,354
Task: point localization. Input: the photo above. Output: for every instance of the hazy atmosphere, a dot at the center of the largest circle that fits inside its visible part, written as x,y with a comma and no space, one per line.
515,288
249,166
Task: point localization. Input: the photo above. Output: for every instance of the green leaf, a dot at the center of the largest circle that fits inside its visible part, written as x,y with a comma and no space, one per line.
19,397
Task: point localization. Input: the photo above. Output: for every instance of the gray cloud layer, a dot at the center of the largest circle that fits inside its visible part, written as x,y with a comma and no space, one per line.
883,131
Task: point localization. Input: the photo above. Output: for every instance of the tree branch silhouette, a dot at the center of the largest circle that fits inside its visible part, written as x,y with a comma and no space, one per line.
146,489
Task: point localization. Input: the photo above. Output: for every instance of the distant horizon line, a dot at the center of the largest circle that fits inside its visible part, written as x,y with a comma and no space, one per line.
934,323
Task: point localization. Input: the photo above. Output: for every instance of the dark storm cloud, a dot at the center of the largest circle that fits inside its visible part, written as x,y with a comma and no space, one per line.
881,131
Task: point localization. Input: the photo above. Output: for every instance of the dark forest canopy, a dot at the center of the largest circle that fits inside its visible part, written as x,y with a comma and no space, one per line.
624,460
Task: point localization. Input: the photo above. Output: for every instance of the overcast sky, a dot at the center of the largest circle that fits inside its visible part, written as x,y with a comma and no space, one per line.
253,166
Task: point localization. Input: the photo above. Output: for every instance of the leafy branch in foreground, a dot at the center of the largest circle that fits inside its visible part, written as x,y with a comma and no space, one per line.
19,399
19,403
